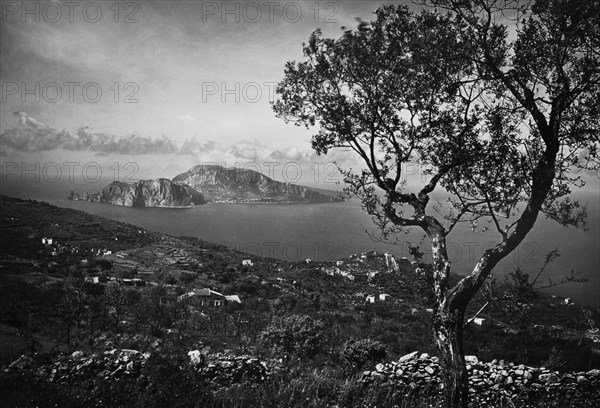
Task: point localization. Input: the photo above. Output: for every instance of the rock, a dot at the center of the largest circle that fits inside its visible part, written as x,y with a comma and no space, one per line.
519,372
77,355
195,357
408,357
527,375
379,367
423,356
471,360
429,369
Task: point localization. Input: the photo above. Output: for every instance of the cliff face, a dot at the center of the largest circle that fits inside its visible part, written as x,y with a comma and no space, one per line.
144,193
220,184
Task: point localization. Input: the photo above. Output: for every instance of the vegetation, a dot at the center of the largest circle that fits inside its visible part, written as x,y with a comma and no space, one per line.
498,101
317,328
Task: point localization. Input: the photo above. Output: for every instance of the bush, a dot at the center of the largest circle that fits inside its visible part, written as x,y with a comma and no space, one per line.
357,353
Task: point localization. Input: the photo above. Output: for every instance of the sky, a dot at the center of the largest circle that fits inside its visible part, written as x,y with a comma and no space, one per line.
183,69
191,77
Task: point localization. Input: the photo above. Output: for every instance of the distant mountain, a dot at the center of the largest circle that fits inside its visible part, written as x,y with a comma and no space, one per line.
144,193
234,185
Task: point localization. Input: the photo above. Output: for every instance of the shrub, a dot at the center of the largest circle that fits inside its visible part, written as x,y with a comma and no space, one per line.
295,334
357,353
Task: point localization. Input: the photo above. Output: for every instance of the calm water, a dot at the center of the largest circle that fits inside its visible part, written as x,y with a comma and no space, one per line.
333,231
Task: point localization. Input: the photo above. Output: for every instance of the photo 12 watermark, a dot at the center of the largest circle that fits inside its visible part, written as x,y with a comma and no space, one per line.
69,11
529,252
291,251
238,12
67,172
70,92
237,92
283,171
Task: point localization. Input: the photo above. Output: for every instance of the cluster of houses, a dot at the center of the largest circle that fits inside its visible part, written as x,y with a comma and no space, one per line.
56,249
100,251
127,282
382,297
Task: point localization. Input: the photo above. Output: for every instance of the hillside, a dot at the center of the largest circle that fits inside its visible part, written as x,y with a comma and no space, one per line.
144,193
99,313
220,184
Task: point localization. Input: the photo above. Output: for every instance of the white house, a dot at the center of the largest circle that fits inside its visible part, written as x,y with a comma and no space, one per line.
383,297
247,262
478,321
47,241
370,299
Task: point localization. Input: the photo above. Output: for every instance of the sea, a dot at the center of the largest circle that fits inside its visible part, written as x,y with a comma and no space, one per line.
332,231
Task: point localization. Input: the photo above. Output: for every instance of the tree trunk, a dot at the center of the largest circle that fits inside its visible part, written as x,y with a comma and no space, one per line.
448,326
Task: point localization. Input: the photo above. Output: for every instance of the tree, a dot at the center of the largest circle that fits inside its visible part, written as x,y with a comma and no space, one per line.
497,101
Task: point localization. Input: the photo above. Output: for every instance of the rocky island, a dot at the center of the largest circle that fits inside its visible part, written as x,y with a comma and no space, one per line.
208,183
144,193
234,185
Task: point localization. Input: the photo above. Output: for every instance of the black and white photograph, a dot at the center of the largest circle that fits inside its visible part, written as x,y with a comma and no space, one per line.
303,203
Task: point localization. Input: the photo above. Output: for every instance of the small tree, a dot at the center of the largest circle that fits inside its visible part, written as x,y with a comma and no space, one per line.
497,100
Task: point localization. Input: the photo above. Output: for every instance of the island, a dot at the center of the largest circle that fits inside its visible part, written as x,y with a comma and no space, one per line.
208,183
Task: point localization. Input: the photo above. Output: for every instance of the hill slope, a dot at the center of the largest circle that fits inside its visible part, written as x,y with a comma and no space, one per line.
220,184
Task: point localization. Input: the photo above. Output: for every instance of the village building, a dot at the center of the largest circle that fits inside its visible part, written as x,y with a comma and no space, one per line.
209,298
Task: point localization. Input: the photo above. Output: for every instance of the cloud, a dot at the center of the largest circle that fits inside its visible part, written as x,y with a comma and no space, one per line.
30,135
